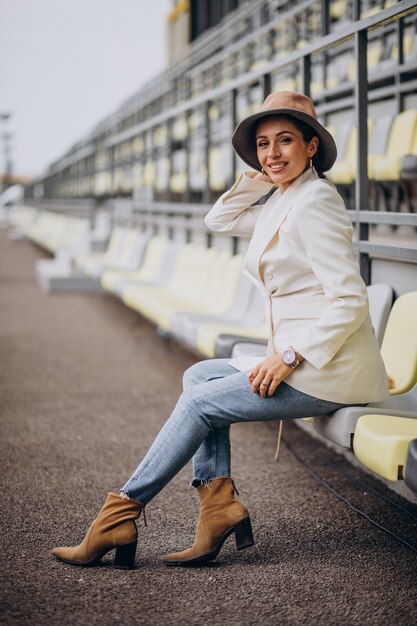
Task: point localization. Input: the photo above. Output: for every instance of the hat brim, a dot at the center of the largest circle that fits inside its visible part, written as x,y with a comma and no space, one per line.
244,141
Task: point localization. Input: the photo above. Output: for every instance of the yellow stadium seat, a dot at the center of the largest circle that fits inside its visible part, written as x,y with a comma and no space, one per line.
338,9
399,346
178,182
413,149
136,296
149,270
370,12
399,351
373,57
93,263
217,180
381,443
400,143
344,170
279,83
204,281
408,43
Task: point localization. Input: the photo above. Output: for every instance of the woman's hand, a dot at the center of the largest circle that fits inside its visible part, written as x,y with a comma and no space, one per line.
267,375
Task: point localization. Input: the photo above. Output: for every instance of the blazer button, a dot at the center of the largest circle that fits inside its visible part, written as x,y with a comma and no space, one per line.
268,276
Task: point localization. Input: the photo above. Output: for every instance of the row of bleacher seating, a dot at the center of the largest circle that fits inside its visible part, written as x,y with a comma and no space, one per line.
385,160
190,292
391,139
52,231
199,296
382,56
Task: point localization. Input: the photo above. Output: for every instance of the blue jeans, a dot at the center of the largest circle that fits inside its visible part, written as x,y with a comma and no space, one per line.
215,396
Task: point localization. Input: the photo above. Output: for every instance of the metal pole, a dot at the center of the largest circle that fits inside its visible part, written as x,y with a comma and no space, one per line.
206,193
305,70
361,119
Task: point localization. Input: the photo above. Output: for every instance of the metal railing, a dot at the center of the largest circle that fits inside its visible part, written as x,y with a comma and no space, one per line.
356,96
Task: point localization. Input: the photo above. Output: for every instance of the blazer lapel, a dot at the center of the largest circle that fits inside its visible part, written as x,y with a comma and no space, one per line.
269,221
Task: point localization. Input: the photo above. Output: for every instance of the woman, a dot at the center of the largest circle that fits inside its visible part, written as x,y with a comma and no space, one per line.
322,353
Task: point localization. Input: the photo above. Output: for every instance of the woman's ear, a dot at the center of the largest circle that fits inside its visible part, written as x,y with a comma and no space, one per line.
313,147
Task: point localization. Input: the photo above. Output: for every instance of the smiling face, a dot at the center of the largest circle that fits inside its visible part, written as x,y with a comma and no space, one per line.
282,150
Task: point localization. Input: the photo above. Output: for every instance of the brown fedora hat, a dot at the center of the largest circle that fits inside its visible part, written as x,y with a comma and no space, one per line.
290,104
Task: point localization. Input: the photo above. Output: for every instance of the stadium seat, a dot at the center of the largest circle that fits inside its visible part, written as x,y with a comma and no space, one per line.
338,9
217,181
97,259
380,303
379,136
200,282
381,443
387,167
399,351
413,152
115,280
252,324
374,55
410,470
242,311
399,346
45,229
184,325
343,171
58,232
125,246
20,220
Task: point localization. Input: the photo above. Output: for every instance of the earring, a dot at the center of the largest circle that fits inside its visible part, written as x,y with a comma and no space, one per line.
263,171
311,163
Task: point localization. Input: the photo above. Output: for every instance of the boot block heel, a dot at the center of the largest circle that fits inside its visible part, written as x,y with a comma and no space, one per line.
243,534
125,556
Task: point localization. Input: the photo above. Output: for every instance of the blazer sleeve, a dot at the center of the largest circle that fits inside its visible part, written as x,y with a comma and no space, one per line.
326,232
235,212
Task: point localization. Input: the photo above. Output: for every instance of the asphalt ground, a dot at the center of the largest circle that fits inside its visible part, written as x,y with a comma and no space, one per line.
85,386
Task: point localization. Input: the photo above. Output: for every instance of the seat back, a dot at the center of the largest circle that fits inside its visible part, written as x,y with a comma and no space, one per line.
115,244
399,346
342,135
344,170
128,251
403,126
191,282
186,258
230,283
414,144
215,279
153,259
380,302
243,296
380,134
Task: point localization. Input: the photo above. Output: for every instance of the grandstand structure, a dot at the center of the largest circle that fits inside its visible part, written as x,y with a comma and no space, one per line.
167,150
122,210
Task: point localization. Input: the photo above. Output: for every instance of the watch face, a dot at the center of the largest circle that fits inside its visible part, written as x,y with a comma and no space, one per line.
288,356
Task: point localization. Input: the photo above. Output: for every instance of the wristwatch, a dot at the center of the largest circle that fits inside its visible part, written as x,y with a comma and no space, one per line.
289,357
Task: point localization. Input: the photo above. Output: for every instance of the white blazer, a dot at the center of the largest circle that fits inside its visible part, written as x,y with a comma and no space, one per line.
301,257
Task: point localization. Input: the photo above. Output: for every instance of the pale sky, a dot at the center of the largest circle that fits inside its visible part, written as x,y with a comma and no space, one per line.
64,66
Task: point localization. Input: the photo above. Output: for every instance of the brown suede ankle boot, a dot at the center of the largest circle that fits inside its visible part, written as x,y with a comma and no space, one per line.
114,527
220,516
